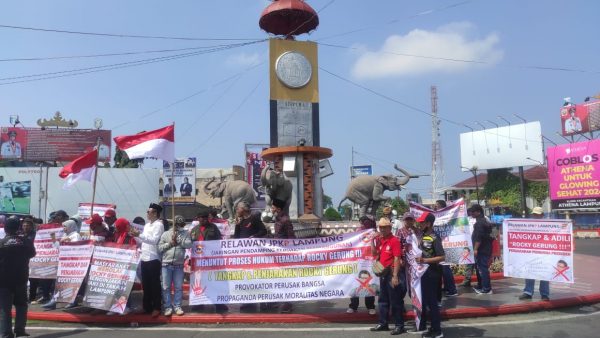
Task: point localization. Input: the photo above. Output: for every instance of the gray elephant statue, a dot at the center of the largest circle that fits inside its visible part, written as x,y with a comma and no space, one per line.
276,186
232,193
367,191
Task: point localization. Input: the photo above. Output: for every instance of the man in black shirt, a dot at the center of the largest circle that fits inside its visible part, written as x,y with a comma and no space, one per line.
482,249
433,254
248,225
15,252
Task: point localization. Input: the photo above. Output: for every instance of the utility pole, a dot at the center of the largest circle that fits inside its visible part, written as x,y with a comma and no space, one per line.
437,164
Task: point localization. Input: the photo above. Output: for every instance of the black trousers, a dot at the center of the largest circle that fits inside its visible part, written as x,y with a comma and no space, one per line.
369,302
151,284
16,295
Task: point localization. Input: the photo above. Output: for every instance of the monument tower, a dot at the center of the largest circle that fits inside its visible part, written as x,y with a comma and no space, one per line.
294,105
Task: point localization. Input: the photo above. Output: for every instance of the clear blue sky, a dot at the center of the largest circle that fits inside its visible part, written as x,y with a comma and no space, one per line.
510,38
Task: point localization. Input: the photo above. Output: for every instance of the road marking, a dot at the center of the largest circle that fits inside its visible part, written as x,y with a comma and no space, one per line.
296,329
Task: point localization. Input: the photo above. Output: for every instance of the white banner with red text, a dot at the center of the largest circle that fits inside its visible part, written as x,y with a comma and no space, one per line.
539,249
257,270
45,263
73,263
452,225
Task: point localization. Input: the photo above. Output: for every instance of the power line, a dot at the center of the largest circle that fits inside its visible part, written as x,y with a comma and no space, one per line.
50,30
562,69
47,58
95,69
427,12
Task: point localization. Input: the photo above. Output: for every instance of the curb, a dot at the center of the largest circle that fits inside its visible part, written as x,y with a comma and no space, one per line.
253,318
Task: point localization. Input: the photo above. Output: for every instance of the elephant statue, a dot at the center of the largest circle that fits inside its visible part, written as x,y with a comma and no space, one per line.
276,186
367,191
232,193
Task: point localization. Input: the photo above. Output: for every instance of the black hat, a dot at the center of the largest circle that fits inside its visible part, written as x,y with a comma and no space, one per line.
156,207
12,225
203,214
12,133
278,203
477,207
61,213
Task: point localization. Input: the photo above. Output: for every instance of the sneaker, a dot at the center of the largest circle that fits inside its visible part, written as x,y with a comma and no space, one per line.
451,294
372,312
71,305
482,292
179,311
545,298
350,310
168,312
21,334
524,296
433,334
51,305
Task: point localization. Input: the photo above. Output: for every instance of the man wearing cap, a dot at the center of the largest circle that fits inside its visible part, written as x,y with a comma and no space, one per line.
537,213
388,249
432,255
11,149
110,216
482,250
172,245
150,260
15,253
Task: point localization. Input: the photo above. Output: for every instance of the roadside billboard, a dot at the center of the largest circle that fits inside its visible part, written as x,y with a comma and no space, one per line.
361,170
580,118
179,181
52,144
573,174
254,167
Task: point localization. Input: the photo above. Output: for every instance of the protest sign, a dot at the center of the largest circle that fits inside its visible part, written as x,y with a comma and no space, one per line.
270,270
112,273
452,226
414,273
73,263
539,249
45,263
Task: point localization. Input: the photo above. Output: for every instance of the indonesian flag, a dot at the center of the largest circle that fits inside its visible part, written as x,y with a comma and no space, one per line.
159,143
82,168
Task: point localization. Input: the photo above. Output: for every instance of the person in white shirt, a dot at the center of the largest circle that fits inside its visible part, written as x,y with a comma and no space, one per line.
71,233
150,260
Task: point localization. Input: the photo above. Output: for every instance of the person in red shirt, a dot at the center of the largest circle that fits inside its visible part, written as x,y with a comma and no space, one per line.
388,248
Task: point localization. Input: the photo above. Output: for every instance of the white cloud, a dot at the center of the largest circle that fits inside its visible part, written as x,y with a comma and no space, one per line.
245,59
451,41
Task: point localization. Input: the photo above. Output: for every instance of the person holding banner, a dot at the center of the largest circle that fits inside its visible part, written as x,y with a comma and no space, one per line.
537,213
482,250
283,228
366,222
387,247
447,275
433,254
15,253
172,246
150,260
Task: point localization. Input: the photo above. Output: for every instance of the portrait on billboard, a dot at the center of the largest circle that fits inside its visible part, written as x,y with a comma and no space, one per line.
12,140
579,118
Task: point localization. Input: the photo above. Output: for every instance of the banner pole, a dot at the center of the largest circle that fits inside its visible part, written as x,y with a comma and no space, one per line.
95,177
173,195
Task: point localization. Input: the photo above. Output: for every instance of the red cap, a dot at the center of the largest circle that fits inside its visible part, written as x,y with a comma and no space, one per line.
110,213
121,224
426,217
96,219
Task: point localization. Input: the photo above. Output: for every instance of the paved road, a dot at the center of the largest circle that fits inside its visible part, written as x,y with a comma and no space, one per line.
589,247
573,322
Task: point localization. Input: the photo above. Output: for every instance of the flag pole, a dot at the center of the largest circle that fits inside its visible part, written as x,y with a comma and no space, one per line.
173,193
95,176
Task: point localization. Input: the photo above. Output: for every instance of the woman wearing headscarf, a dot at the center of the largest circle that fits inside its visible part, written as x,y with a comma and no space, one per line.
71,233
122,235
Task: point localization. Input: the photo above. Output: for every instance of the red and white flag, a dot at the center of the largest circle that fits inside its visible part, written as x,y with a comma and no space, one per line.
82,168
159,143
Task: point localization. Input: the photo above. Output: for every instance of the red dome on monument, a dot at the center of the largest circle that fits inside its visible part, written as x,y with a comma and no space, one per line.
288,17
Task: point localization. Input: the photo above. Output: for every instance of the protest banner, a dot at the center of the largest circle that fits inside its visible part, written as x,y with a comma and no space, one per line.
73,263
112,273
45,263
414,273
539,249
270,270
452,226
84,211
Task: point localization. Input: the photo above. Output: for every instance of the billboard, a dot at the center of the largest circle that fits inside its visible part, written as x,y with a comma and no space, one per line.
510,146
179,181
254,167
361,170
52,144
573,171
15,196
580,118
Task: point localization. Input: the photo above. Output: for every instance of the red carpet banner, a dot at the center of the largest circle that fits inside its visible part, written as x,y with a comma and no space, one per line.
452,225
45,262
539,249
112,273
73,263
274,270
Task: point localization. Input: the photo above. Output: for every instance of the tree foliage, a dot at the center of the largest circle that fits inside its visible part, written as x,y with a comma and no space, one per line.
397,204
506,187
122,160
327,202
538,191
332,215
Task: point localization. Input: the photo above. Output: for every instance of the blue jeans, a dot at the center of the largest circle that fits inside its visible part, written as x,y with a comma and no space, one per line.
9,296
393,296
482,262
530,286
172,274
448,277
